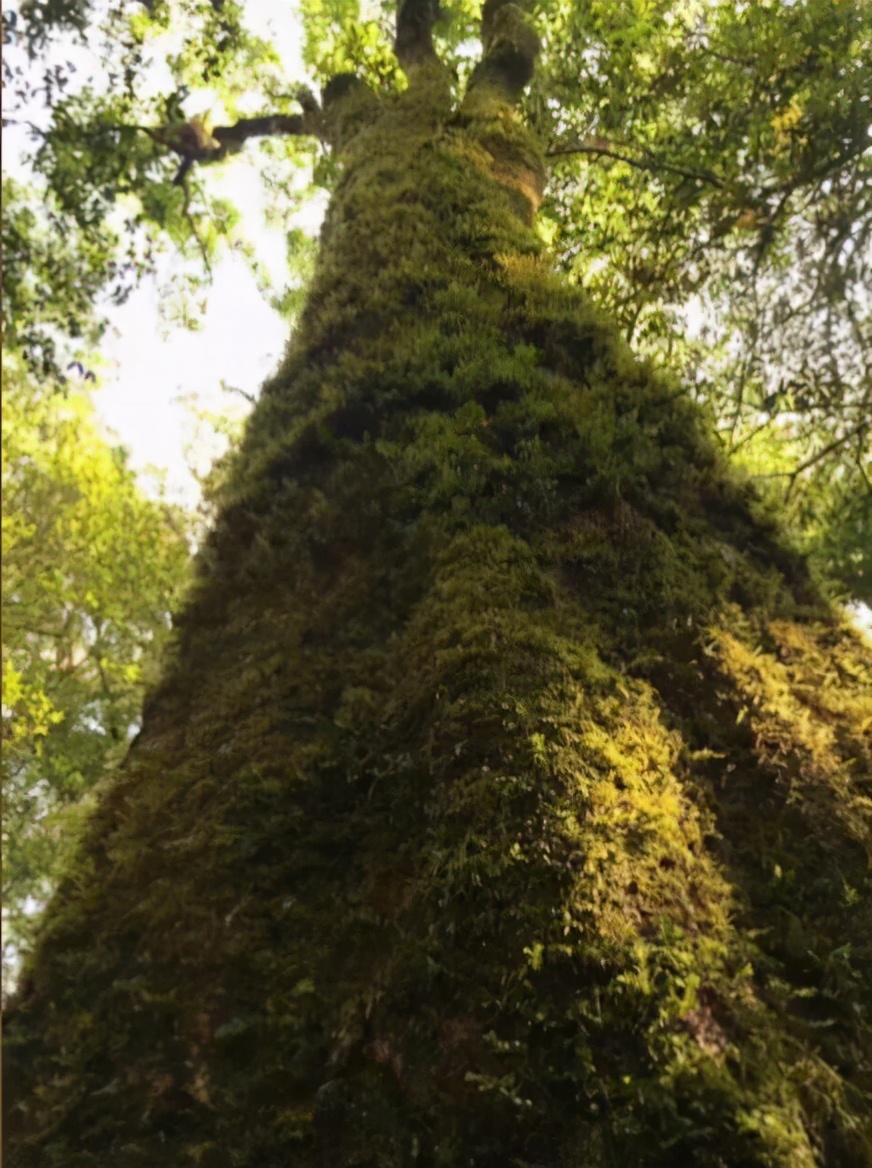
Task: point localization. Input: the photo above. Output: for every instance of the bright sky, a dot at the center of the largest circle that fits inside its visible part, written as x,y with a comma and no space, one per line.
150,366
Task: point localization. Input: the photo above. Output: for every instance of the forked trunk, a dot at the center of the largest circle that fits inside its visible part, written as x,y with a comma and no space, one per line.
503,803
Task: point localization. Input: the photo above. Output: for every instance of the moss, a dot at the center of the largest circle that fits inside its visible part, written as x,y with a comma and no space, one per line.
506,797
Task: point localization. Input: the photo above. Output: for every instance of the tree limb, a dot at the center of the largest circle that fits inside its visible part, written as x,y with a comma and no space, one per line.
233,137
413,42
194,143
511,47
600,146
842,440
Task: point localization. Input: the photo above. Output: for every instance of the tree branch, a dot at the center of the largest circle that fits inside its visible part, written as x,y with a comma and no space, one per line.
189,218
842,440
194,143
413,43
511,47
601,146
234,137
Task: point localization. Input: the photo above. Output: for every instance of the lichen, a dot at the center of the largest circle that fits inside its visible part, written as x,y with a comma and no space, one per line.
506,797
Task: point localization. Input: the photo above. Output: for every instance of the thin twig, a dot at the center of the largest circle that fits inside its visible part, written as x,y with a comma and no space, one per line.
821,454
607,151
192,223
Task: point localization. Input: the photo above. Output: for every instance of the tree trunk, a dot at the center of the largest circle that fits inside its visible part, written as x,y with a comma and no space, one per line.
503,802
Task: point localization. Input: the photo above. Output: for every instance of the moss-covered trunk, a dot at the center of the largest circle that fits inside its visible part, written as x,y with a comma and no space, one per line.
503,803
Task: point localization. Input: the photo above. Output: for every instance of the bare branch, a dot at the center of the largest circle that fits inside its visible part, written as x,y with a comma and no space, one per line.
189,218
842,440
272,125
194,143
182,172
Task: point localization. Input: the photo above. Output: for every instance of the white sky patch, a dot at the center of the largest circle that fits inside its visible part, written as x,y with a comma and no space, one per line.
860,615
240,341
279,22
150,368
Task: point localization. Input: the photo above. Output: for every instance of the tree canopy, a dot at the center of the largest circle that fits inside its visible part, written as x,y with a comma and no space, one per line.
708,183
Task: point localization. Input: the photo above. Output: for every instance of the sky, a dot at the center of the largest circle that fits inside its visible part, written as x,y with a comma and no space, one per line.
150,367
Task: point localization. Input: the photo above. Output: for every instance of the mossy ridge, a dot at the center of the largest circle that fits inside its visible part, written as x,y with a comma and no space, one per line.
440,844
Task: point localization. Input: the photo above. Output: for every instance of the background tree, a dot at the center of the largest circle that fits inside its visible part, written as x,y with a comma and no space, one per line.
91,570
505,794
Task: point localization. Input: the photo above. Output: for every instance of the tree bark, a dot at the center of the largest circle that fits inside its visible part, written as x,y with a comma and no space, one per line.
505,801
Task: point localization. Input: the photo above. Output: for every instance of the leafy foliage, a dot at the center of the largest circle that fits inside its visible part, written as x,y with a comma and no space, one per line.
91,570
101,127
49,284
715,157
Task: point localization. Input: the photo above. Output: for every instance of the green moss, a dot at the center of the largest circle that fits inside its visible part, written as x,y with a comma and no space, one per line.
506,799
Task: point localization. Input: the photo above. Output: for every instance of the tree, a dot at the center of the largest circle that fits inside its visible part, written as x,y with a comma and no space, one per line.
504,799
91,570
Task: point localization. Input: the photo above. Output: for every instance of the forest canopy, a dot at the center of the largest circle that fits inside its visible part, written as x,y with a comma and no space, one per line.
92,568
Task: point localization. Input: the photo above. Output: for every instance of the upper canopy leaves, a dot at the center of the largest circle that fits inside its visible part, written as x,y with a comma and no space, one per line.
710,185
709,179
